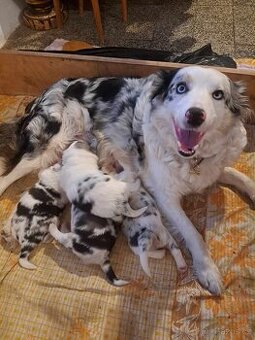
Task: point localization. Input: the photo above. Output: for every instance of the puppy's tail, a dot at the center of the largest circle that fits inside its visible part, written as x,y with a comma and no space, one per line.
129,212
110,275
145,240
144,260
24,263
25,251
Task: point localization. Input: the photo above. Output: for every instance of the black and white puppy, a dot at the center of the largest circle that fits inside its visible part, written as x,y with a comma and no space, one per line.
91,239
84,184
38,209
146,234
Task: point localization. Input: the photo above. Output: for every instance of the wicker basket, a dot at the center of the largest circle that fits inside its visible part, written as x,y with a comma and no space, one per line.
40,15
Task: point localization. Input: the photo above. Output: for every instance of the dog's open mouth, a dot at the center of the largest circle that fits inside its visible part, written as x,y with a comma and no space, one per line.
187,140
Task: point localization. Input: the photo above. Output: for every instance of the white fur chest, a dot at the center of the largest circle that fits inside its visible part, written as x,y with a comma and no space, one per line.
167,171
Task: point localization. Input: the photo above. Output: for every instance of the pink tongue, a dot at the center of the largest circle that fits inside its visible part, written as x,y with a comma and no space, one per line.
188,138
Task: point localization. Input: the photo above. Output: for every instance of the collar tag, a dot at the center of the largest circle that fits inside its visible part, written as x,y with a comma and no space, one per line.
194,165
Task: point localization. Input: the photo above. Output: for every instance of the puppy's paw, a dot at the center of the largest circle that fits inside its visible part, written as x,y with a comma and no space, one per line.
48,238
178,257
157,254
208,276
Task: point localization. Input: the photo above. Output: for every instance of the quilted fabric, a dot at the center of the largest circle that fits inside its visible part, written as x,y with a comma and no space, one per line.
64,299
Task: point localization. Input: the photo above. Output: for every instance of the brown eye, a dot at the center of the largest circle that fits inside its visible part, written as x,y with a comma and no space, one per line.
218,95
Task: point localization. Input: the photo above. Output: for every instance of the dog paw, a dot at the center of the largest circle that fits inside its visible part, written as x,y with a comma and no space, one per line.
208,276
250,191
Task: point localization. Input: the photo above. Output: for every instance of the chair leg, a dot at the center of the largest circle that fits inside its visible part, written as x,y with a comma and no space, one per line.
97,16
124,10
81,7
57,9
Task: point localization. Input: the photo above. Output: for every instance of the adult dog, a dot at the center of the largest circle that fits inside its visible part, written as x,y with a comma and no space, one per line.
180,129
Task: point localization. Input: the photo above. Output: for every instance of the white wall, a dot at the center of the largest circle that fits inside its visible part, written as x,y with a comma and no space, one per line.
10,17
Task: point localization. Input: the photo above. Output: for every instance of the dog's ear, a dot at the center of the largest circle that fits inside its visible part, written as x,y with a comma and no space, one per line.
162,83
239,101
29,106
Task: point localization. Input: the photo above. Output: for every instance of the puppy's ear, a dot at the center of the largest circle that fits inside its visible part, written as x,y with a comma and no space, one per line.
239,101
162,83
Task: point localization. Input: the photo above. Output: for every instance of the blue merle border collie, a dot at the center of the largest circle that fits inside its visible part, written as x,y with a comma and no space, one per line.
179,131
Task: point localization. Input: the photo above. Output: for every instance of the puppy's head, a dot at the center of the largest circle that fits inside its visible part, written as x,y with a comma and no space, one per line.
75,149
50,176
194,100
79,144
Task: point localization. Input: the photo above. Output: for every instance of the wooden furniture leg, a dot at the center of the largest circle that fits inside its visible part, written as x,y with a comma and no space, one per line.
81,7
124,11
97,16
57,9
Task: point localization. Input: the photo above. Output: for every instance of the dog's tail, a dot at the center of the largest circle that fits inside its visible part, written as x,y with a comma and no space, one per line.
110,275
130,212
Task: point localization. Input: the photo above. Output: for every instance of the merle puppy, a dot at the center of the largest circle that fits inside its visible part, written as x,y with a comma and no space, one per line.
91,239
38,208
84,183
146,234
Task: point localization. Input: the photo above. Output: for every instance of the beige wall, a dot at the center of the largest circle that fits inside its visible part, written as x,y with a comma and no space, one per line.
10,11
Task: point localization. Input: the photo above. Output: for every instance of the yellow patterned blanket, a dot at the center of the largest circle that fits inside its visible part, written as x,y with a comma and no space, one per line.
65,299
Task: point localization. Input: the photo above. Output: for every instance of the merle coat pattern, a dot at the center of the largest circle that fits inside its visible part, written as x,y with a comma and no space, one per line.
91,239
146,234
38,208
84,183
155,127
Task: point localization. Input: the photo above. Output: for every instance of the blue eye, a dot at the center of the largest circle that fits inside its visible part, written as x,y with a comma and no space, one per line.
218,94
181,88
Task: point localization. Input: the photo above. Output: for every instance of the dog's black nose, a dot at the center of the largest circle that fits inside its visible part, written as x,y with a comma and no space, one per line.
195,116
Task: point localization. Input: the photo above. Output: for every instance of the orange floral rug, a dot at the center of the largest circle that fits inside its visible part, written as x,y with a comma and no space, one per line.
64,299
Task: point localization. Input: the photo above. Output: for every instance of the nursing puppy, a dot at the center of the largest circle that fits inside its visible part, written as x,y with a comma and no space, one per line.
38,209
146,234
183,126
91,239
85,184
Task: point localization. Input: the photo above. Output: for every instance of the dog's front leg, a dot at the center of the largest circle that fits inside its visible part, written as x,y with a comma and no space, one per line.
204,268
24,167
237,179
